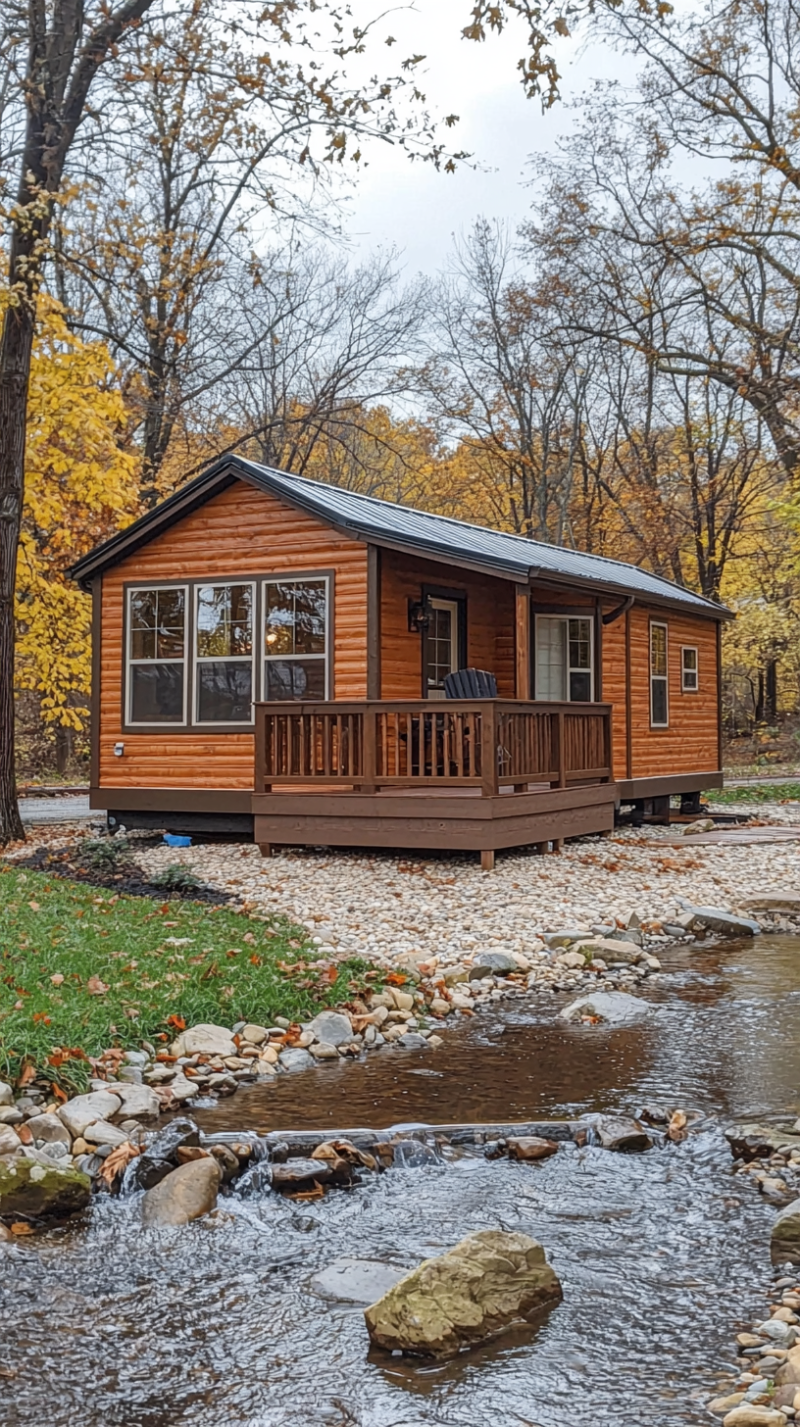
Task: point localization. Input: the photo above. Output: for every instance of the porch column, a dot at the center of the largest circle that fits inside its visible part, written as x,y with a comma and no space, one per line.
522,641
373,622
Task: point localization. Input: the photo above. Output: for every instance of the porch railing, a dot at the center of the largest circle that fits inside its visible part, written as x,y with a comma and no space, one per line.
418,743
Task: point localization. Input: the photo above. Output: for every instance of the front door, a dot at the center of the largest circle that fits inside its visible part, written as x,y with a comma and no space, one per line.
440,646
564,663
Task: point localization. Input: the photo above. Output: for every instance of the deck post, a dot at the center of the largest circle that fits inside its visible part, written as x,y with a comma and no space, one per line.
265,848
489,751
369,734
562,749
487,860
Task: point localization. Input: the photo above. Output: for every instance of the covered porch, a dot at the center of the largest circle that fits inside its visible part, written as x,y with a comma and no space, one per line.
468,775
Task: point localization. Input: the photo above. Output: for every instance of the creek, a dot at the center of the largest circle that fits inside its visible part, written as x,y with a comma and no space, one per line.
662,1255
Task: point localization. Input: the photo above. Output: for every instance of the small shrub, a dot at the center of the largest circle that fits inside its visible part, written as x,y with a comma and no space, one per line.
175,878
103,854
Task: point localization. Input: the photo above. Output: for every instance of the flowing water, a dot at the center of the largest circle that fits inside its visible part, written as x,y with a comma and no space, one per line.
661,1255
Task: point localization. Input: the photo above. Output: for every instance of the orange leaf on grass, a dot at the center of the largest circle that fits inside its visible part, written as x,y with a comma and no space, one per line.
96,987
26,1075
177,1021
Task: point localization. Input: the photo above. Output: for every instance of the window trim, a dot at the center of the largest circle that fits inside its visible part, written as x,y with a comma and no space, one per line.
197,659
258,578
127,690
658,624
690,688
451,596
296,578
565,618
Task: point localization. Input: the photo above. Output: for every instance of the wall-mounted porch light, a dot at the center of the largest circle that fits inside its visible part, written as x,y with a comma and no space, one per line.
419,615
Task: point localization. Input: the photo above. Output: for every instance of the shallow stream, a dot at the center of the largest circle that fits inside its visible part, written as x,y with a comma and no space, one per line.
661,1255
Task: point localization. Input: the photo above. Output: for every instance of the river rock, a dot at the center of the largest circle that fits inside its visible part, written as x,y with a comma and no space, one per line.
788,1374
350,1280
49,1128
785,1236
621,1134
323,1050
721,1405
139,1102
181,1088
701,825
10,1141
295,1059
253,1034
616,1007
489,1280
492,963
332,1028
787,902
750,1415
301,1174
158,1160
750,1142
184,1194
204,1039
6,1093
101,1133
608,949
715,919
85,1109
37,1191
531,1147
412,1040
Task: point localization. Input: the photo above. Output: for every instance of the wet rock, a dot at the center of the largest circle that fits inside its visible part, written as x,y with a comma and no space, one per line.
531,1147
349,1280
750,1415
85,1109
157,1161
204,1039
654,1114
296,1059
184,1194
785,1236
49,1128
620,1134
495,1149
749,1142
225,1157
412,1040
489,1280
323,1050
413,1154
36,1191
332,1027
301,1174
139,1102
715,919
616,1007
492,963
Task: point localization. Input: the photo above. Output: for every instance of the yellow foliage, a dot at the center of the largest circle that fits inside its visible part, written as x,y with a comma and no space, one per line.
80,487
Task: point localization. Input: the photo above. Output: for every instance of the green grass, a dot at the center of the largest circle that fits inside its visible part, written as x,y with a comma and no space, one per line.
763,793
231,968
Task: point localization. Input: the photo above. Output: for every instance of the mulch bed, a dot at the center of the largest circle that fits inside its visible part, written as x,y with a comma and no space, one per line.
126,877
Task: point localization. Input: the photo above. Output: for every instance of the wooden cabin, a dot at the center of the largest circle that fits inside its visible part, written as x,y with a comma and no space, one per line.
270,657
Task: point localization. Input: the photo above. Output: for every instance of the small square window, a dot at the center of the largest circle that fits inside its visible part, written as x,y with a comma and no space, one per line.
689,670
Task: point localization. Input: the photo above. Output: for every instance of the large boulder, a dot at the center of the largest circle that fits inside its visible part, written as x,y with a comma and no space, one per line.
615,1007
785,1237
85,1109
750,1414
37,1191
716,919
332,1028
489,1280
185,1194
205,1039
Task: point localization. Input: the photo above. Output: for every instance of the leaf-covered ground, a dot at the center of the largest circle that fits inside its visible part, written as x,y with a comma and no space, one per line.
82,969
757,793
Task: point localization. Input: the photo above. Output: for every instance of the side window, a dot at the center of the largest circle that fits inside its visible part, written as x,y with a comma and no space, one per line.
659,677
224,653
580,661
689,669
156,656
296,621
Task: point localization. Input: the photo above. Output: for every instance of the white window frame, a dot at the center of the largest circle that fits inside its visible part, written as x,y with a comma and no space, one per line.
197,659
694,673
293,577
130,663
658,624
452,607
568,669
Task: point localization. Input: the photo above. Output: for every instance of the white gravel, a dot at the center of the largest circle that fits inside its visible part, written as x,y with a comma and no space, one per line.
382,906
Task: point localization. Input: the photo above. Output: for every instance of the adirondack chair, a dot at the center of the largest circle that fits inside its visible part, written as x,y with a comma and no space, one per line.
470,684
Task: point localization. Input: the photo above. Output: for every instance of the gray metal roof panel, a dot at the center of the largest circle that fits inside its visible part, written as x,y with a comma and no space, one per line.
514,555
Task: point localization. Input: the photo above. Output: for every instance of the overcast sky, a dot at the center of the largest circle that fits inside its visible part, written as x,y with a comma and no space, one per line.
418,210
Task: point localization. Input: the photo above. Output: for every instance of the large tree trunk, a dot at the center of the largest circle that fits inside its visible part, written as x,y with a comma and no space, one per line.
15,364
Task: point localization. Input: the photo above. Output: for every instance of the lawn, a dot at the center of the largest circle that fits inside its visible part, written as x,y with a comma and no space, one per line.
756,793
83,968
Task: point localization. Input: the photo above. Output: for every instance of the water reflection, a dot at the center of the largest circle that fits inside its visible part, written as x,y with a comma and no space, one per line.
112,1325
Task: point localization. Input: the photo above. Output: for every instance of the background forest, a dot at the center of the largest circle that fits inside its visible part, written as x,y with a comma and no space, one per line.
619,375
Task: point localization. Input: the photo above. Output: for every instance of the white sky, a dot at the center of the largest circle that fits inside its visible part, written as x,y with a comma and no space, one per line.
416,209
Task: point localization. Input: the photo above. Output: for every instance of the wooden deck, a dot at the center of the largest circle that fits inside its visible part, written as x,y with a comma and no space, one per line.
468,775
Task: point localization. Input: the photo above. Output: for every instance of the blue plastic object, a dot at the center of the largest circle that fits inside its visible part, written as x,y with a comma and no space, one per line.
172,839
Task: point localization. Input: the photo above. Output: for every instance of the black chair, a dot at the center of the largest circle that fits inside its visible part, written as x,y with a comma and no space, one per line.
470,684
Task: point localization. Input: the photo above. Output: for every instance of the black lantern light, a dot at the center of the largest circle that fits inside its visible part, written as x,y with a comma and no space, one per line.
419,615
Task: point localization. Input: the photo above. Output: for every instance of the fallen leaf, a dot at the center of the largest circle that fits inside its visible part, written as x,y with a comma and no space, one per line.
21,1229
34,906
57,978
178,1022
96,987
117,1161
26,1075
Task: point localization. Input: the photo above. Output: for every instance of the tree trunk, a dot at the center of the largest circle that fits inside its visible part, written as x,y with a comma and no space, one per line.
15,364
771,699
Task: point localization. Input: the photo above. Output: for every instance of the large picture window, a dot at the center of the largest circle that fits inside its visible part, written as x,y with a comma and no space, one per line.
224,653
157,655
296,616
659,676
563,659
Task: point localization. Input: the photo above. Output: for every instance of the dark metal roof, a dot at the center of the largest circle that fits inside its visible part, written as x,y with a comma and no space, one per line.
510,556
